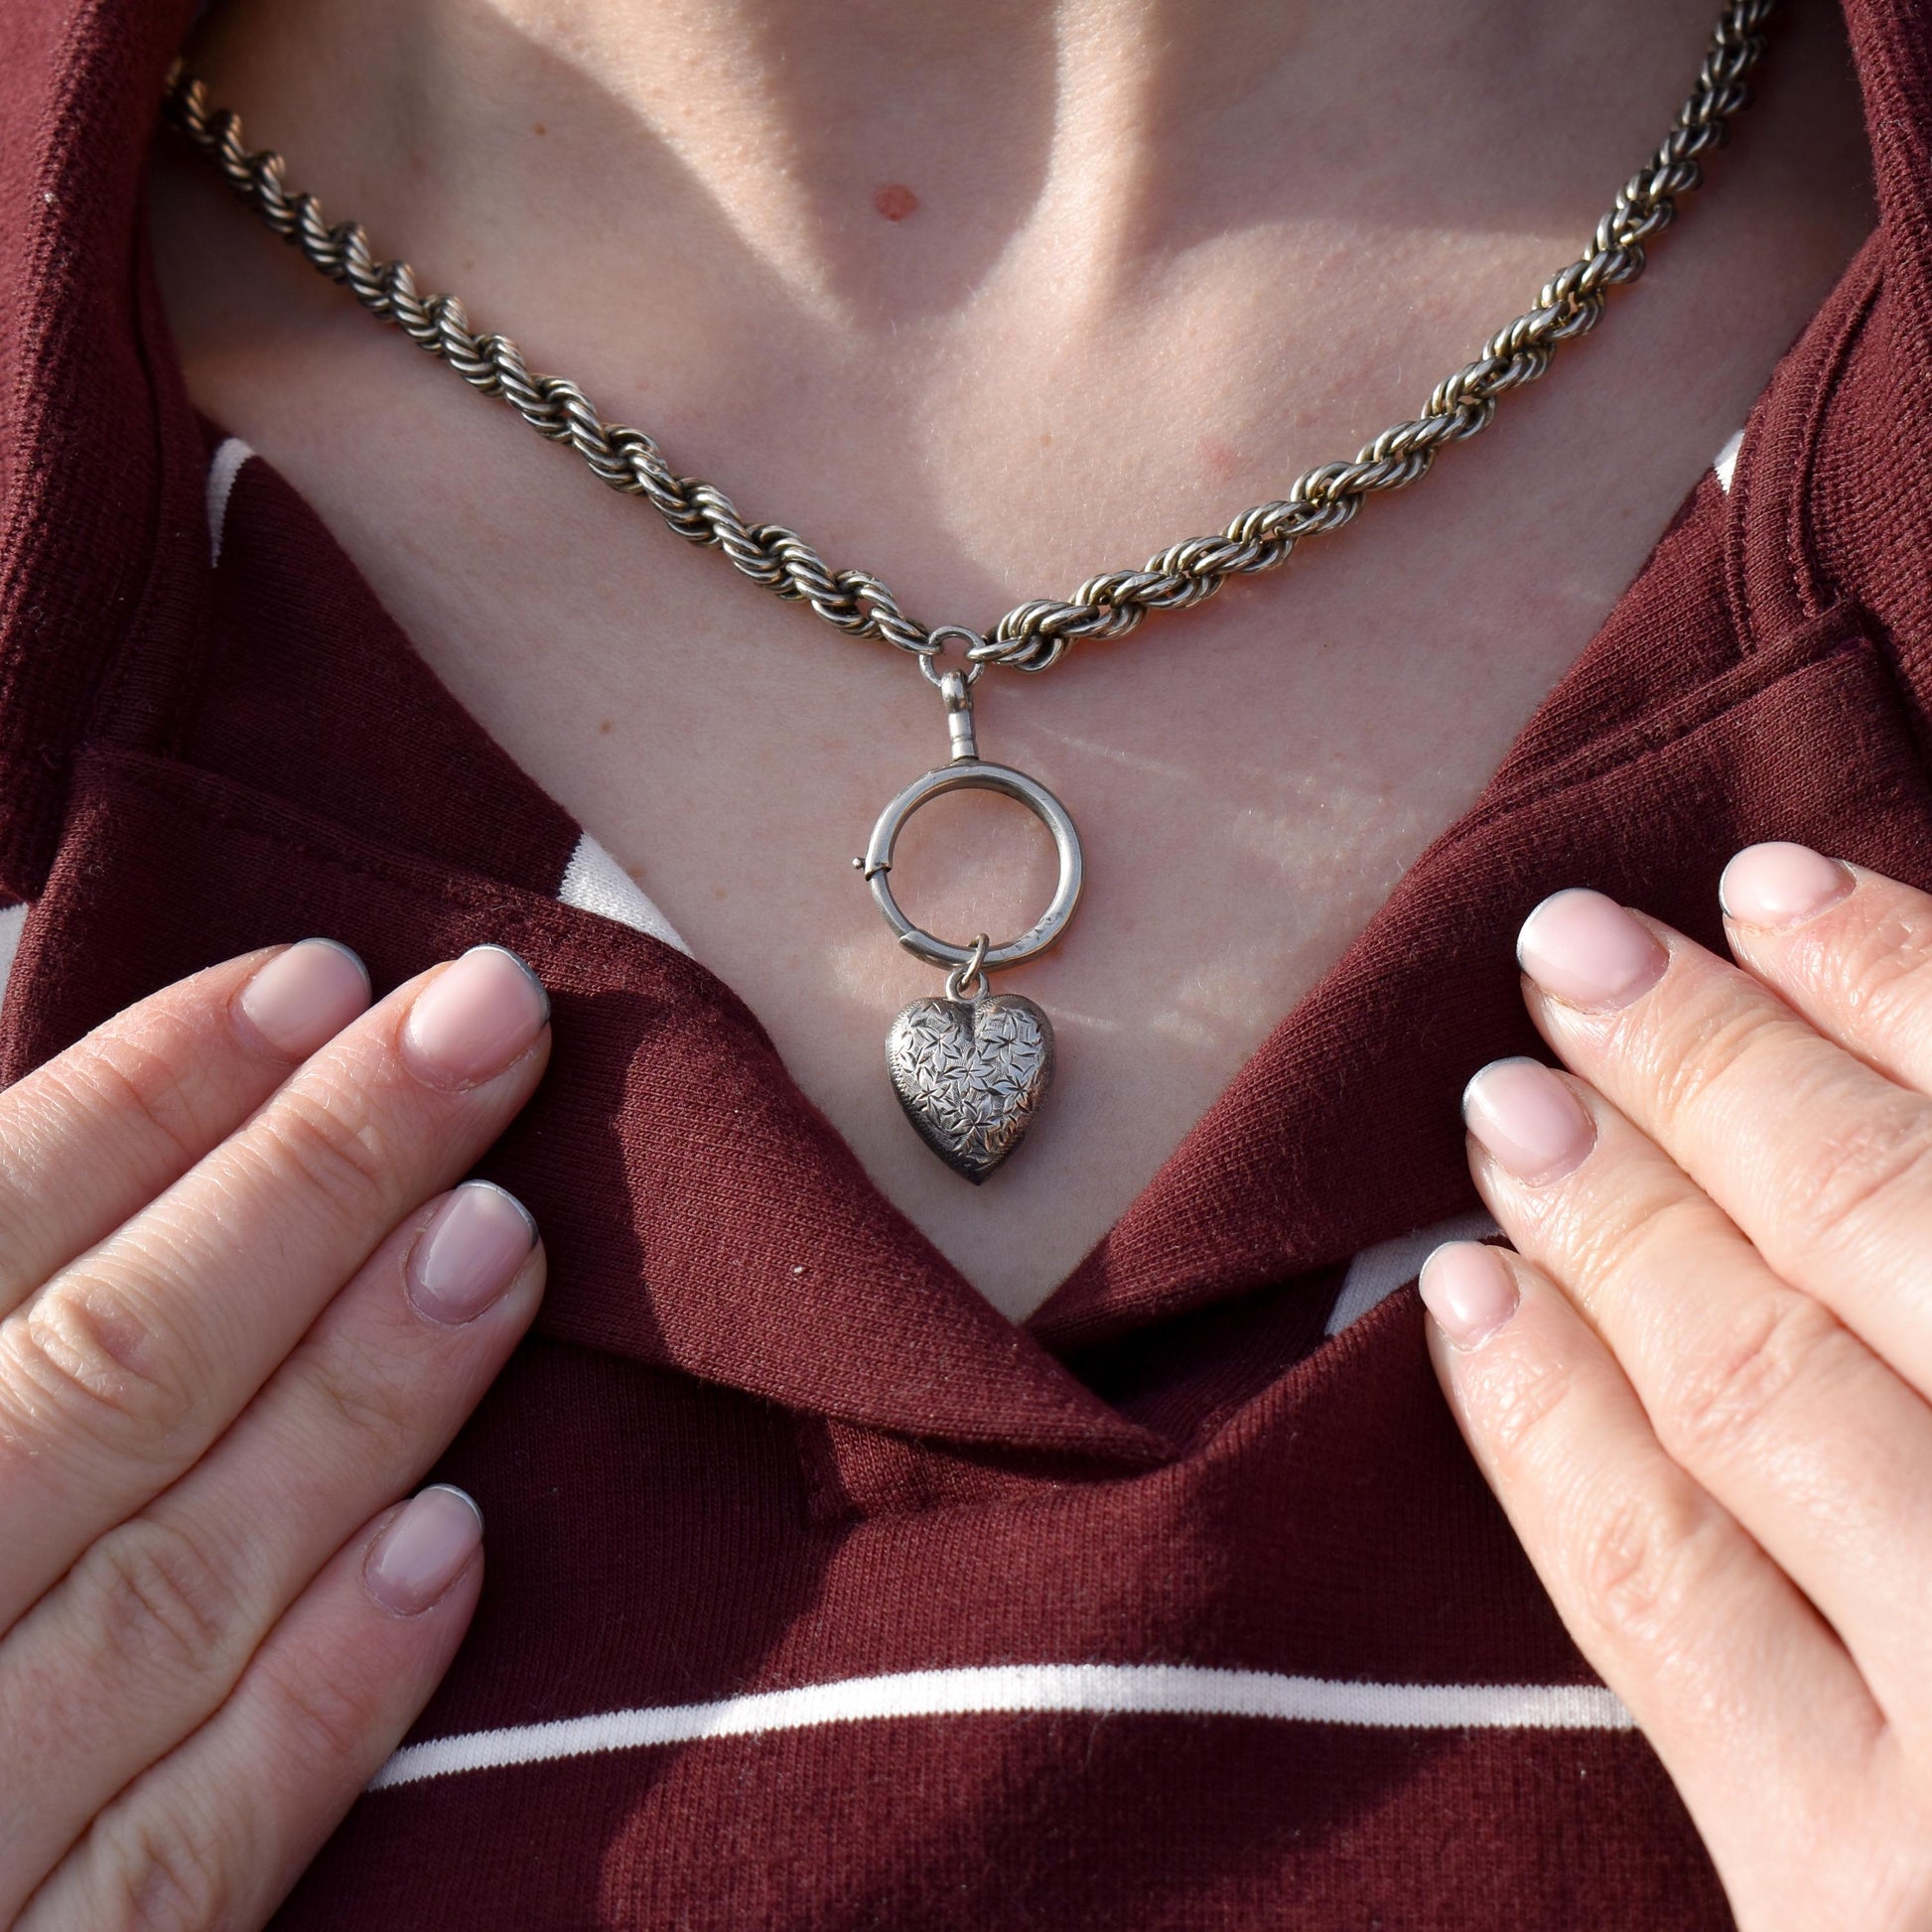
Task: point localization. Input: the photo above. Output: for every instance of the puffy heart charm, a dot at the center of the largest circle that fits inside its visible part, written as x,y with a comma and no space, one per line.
971,1074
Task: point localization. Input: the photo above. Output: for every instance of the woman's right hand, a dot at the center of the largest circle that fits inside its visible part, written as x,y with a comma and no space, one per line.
238,1319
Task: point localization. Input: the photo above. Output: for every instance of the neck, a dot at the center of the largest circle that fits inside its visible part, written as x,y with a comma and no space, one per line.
876,161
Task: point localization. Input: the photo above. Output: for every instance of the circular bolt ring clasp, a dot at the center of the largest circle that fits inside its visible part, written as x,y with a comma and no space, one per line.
974,776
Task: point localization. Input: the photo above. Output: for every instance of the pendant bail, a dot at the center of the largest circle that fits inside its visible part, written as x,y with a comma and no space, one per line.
956,687
958,695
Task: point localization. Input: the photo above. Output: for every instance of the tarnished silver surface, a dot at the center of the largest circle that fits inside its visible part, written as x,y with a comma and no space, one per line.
1032,636
971,1069
971,1074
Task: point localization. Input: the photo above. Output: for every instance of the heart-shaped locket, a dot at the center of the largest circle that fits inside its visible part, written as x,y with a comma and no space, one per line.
971,1074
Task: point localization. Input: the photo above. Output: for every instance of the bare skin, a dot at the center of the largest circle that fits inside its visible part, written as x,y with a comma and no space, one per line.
987,304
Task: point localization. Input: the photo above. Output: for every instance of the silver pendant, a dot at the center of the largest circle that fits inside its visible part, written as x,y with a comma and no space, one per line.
971,1068
971,1074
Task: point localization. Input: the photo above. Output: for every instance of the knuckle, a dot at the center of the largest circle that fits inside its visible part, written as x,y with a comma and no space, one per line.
133,1075
366,1389
158,1601
1608,1239
1876,969
87,1361
333,1143
169,1873
1720,1402
1519,1406
1639,1569
1864,1160
1712,1042
326,1721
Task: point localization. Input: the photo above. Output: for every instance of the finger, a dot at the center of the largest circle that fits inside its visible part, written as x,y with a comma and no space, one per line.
217,1832
90,1137
1849,950
1752,1386
1822,1161
1722,1661
123,1370
147,1634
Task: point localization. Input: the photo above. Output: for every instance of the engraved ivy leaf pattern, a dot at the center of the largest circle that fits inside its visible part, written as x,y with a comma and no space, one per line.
971,1074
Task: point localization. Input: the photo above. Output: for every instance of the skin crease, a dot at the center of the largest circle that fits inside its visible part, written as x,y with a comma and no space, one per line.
1160,259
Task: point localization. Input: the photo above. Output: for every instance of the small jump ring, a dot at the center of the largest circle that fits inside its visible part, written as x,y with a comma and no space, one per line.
935,639
972,973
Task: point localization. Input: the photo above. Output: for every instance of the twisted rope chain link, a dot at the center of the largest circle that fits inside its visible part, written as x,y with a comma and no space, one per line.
1032,636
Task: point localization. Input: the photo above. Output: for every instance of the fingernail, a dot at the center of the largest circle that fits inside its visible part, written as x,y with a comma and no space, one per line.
423,1549
306,995
1778,884
474,1018
1467,1287
1533,1125
470,1252
1588,951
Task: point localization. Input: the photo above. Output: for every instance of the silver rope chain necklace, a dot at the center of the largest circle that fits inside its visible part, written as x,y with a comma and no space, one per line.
971,1068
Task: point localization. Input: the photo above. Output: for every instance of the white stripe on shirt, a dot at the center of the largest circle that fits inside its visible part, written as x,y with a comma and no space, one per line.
594,881
1376,1273
1727,462
1151,1690
221,472
12,919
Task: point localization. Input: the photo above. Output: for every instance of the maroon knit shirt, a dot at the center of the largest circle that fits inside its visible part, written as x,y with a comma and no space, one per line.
819,1594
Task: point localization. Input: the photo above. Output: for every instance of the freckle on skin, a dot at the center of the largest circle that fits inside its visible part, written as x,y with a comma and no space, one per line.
609,725
1220,462
539,128
895,200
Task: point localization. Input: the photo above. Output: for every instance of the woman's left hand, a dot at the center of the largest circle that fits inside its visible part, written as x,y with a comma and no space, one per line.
1701,1385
